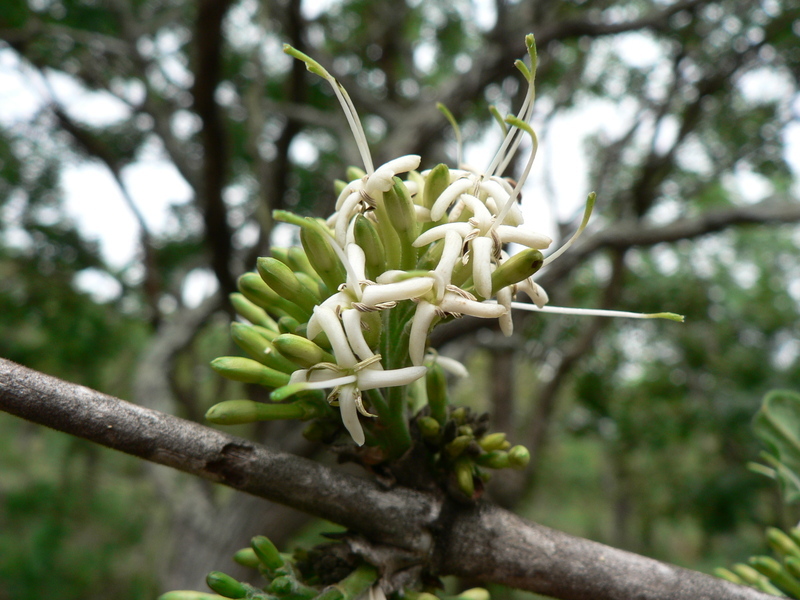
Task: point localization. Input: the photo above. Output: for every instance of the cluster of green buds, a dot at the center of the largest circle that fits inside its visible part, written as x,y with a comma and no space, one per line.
288,578
459,441
779,577
327,572
406,249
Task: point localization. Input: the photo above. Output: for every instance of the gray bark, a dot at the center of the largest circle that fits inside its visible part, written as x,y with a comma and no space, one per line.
483,542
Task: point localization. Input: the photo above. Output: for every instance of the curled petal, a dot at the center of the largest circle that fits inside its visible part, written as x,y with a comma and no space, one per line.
332,327
504,297
347,406
402,290
343,217
482,265
524,236
440,231
478,208
453,245
534,291
455,303
420,326
369,379
351,319
448,196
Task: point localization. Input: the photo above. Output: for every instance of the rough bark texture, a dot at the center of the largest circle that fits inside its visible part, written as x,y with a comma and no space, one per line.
483,542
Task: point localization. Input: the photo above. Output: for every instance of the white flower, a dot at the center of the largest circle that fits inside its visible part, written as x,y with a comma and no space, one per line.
348,377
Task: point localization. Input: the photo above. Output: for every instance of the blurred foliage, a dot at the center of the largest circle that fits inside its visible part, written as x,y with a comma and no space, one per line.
650,424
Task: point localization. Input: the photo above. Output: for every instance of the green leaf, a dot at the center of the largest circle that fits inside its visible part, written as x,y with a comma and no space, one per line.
777,425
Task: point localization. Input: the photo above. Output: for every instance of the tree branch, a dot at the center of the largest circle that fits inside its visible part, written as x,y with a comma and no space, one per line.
483,542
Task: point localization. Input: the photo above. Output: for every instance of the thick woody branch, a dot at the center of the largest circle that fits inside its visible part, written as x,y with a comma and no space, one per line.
485,543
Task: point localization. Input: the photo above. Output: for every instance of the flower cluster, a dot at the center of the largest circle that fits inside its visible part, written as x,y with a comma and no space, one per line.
405,249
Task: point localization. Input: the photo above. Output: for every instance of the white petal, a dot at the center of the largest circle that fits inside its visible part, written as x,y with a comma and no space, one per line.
451,365
333,329
351,187
299,376
321,379
355,254
523,235
402,290
347,406
448,196
418,335
440,231
351,319
340,299
506,322
453,245
372,378
478,208
482,265
534,291
343,217
458,304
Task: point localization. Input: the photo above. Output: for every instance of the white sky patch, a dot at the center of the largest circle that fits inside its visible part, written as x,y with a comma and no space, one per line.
18,100
748,186
312,9
639,50
198,285
98,108
101,286
765,85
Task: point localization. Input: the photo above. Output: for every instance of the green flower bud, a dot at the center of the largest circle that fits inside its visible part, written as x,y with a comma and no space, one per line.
255,314
299,262
793,565
338,186
436,386
459,415
247,558
259,348
782,543
371,325
493,441
458,445
496,459
354,173
302,351
237,412
752,577
258,292
366,235
518,457
729,576
247,370
287,325
463,471
267,334
517,268
285,586
282,254
771,568
438,179
267,552
314,285
322,257
283,280
225,585
474,594
428,427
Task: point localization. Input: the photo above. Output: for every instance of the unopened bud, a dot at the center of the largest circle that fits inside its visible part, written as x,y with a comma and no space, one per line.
436,386
366,235
463,471
288,325
237,412
321,255
267,552
518,457
428,427
258,292
260,348
246,557
302,351
247,370
253,313
458,445
782,543
496,459
437,181
493,441
225,585
283,280
520,266
474,594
